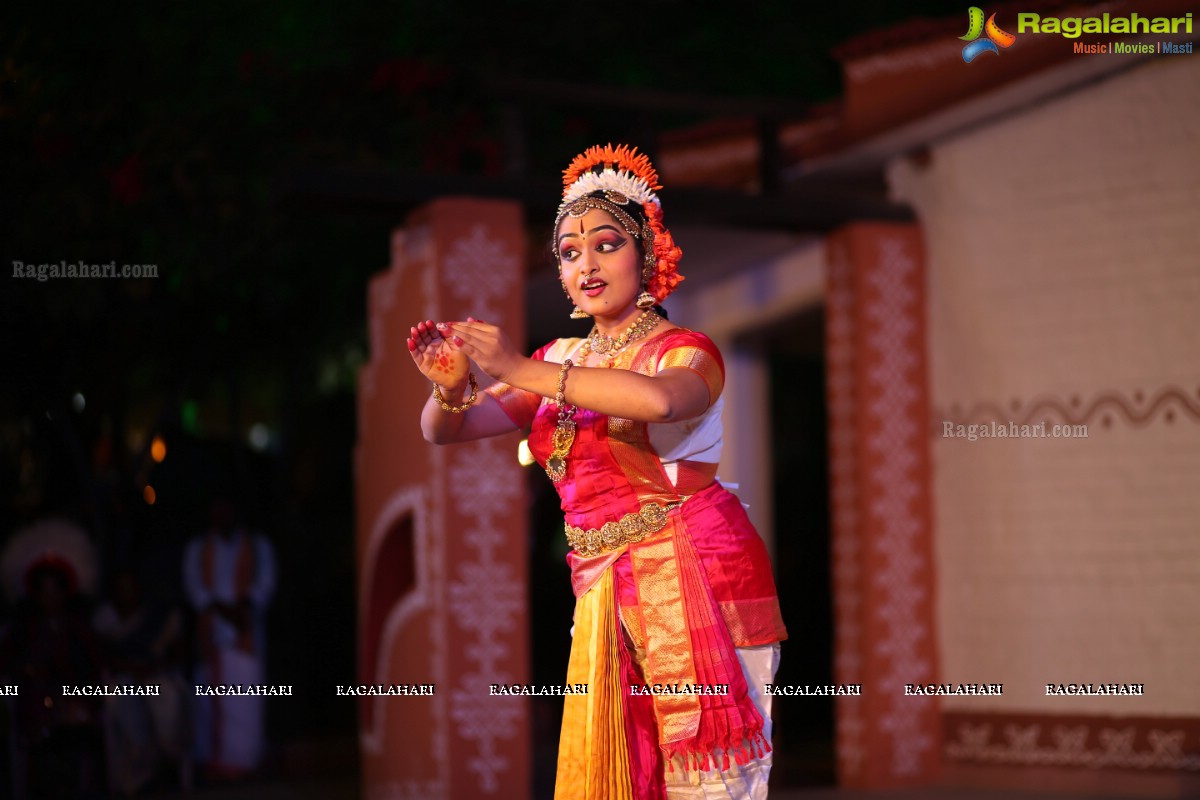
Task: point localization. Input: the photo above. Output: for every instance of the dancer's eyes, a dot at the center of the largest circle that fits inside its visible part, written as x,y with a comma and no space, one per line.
607,245
610,245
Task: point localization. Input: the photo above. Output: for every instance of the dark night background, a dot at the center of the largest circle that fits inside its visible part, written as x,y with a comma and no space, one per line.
260,154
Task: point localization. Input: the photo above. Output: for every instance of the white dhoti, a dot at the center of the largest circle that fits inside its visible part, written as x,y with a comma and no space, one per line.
746,782
142,732
229,729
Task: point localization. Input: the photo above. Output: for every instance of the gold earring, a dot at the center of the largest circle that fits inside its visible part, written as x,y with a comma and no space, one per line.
577,312
646,300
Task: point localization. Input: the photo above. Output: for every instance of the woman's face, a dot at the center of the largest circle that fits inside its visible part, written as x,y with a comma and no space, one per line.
601,264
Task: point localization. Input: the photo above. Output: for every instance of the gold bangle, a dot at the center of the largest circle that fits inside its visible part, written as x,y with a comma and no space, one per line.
437,395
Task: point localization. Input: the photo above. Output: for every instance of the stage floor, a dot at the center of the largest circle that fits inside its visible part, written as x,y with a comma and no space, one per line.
349,789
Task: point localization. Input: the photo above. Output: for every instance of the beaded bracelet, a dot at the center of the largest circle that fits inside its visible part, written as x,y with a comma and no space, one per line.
560,399
437,395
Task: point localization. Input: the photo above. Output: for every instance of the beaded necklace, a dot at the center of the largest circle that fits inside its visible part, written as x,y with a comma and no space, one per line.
610,347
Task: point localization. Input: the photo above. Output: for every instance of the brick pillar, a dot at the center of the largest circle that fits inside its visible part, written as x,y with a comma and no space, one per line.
441,536
883,575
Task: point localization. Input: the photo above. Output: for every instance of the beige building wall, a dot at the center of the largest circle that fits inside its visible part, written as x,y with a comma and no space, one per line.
1064,285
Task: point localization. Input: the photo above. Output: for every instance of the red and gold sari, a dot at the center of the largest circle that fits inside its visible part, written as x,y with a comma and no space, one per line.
670,578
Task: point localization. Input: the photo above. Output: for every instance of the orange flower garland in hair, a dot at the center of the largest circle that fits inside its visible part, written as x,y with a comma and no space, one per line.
630,173
666,256
623,156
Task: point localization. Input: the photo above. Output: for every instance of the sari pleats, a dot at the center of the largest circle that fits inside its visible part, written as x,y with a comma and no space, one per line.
593,760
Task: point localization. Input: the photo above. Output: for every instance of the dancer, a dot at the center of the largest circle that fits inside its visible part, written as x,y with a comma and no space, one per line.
677,621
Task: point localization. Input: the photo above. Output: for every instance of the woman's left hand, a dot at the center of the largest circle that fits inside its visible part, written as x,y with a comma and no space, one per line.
487,345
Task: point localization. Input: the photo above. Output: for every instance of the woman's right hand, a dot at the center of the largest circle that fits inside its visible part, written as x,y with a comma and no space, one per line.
442,362
436,358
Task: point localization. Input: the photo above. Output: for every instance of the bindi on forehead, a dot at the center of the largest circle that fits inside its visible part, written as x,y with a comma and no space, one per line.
566,228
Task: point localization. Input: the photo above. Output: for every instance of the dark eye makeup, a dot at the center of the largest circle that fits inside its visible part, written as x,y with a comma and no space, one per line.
605,245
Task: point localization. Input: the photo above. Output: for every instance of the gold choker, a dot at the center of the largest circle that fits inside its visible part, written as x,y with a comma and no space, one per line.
609,347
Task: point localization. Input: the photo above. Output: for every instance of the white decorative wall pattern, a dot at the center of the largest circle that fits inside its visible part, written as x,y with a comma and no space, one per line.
892,386
486,601
479,270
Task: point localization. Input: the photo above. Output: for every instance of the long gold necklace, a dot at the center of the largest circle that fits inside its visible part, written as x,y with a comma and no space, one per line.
609,349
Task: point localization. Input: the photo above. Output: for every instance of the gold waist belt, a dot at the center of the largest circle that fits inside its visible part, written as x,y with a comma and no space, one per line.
633,527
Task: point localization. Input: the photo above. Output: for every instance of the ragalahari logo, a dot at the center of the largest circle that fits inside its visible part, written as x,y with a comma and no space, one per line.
996,38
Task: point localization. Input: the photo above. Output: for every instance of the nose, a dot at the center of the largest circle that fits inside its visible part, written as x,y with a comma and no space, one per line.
587,263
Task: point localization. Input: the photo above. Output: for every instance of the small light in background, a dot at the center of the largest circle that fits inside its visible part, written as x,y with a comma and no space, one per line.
189,416
158,449
78,402
259,437
524,455
149,495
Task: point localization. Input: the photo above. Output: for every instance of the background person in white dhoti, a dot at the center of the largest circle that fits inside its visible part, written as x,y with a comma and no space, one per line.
142,642
229,574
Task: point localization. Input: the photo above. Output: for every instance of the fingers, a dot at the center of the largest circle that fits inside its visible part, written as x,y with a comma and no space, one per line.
428,334
449,333
460,334
470,324
422,335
